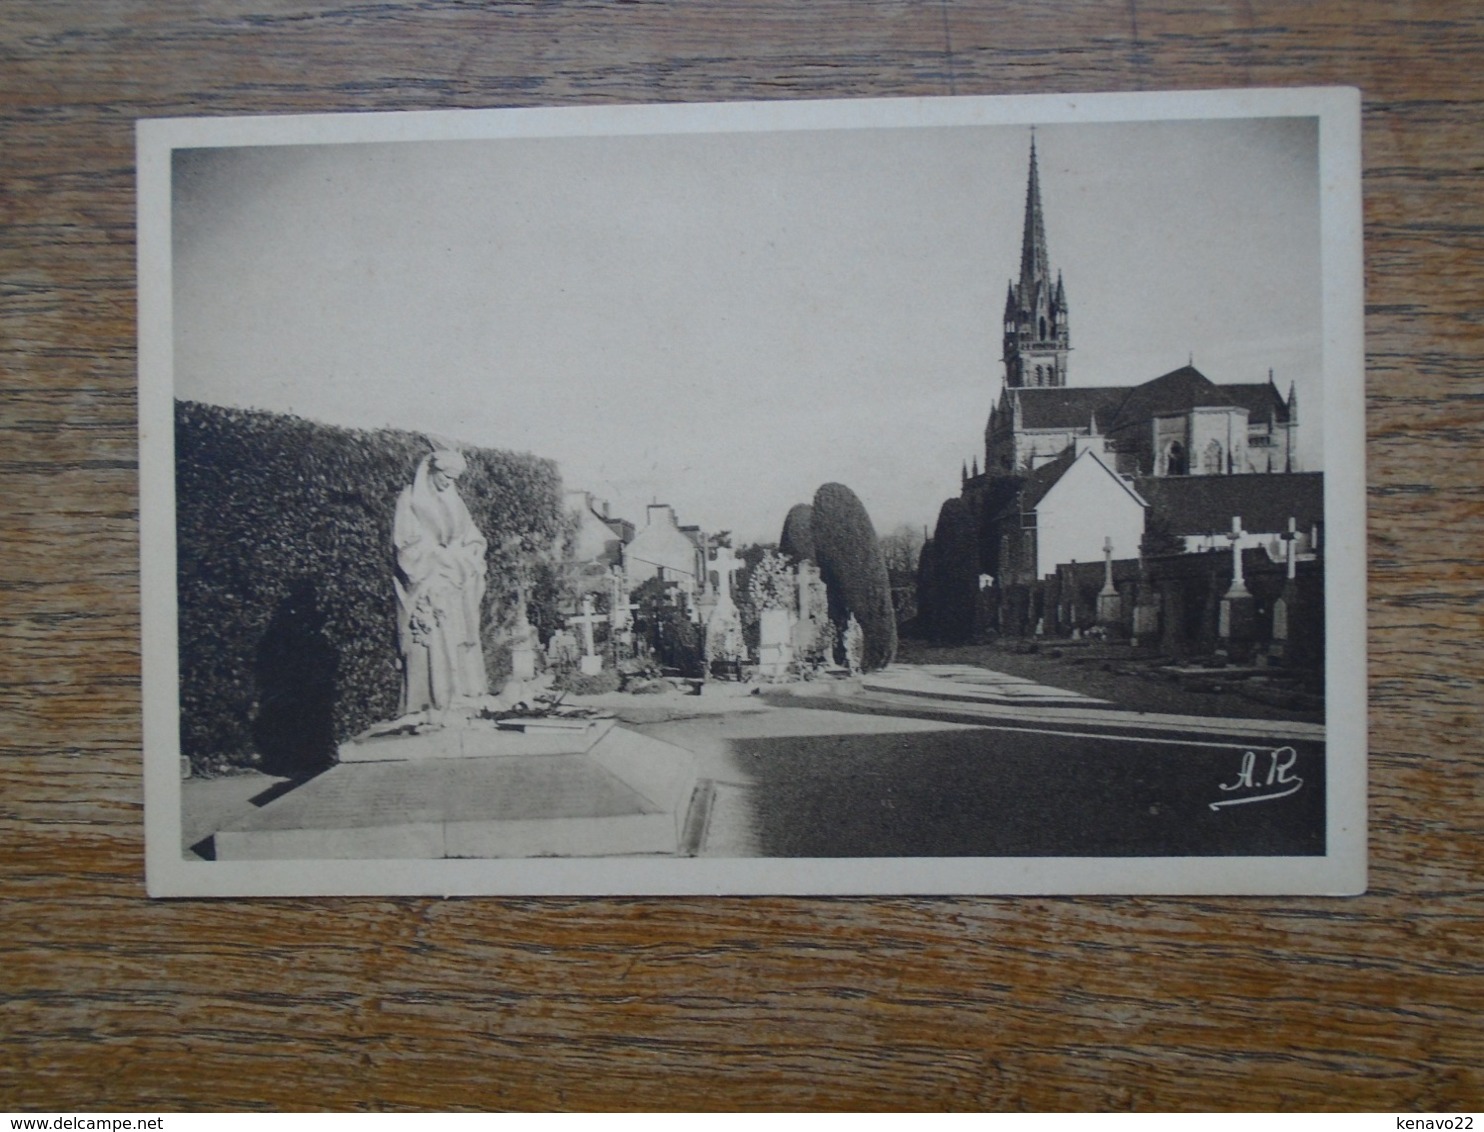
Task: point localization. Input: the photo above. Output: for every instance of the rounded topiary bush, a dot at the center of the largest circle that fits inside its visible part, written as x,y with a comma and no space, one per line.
854,571
797,539
954,567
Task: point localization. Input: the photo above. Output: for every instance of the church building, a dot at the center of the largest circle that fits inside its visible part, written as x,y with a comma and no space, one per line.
1179,424
1070,471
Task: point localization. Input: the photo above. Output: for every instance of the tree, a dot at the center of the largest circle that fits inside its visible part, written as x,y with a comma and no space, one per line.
797,539
854,571
955,573
901,548
925,624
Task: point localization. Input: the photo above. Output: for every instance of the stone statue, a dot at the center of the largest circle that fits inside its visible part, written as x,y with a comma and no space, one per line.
440,580
854,645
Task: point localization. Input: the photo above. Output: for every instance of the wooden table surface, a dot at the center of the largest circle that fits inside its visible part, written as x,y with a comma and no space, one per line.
111,1001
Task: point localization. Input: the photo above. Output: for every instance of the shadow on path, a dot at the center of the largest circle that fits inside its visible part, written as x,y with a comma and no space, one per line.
980,793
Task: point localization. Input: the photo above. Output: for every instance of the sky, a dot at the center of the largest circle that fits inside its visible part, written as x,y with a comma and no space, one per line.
723,322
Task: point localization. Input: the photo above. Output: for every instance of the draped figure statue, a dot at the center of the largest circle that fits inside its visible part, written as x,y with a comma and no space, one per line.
440,581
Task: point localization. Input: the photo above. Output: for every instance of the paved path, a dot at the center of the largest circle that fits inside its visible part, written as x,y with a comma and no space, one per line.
974,694
971,683
954,759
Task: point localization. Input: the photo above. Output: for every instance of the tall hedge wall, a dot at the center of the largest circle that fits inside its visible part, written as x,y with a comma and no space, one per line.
287,613
854,571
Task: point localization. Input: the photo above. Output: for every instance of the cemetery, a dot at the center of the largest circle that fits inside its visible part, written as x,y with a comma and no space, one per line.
436,655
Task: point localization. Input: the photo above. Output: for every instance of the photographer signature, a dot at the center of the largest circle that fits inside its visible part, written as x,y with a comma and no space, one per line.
1279,782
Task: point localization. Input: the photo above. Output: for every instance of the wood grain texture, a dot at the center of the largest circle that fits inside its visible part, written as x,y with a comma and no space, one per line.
110,1001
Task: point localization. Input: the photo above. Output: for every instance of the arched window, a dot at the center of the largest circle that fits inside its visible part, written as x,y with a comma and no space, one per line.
1040,375
1174,460
1043,326
1211,462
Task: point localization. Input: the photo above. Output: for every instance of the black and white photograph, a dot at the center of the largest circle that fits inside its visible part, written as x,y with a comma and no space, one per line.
952,495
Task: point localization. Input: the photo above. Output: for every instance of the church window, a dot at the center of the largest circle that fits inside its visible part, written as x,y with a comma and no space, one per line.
1211,463
1043,326
1174,459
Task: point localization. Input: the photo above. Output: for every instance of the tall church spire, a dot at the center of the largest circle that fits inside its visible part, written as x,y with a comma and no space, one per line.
1036,340
1035,266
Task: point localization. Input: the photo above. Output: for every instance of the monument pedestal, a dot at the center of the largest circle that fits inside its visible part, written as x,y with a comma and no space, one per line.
523,663
528,788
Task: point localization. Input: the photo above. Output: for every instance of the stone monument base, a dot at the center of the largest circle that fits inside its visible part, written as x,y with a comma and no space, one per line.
599,790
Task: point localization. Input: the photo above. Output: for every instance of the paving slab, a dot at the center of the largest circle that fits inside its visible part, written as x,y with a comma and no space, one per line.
970,684
625,794
479,739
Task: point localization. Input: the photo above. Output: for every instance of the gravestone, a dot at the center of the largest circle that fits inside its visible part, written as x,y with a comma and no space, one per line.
775,653
1237,613
812,632
1110,604
1284,607
523,645
724,623
590,663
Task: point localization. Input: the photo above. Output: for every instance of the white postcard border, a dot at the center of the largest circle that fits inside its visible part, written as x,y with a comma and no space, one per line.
1341,871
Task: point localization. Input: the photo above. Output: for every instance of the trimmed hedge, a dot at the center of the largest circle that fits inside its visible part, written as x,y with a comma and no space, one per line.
287,613
797,539
854,571
953,574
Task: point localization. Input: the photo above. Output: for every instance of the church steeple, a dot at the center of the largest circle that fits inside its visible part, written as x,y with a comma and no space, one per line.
1036,339
1035,266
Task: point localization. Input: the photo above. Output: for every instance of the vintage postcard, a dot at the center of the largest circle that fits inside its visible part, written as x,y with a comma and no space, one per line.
950,495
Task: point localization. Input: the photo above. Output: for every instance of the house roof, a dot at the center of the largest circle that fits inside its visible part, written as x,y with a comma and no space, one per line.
1035,486
1043,479
1198,505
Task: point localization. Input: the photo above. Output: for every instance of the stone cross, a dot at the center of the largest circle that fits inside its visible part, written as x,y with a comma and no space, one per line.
587,621
1290,538
1239,584
622,608
725,564
1108,587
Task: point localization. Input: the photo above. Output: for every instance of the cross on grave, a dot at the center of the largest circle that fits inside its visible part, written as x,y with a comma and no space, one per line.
725,564
1239,584
1110,605
622,608
587,620
1290,539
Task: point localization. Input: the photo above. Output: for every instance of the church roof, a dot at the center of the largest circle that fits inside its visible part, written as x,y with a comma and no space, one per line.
1198,505
1131,406
1068,406
1178,391
1261,399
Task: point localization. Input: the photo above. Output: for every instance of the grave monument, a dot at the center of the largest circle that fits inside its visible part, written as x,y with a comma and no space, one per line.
458,774
724,623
